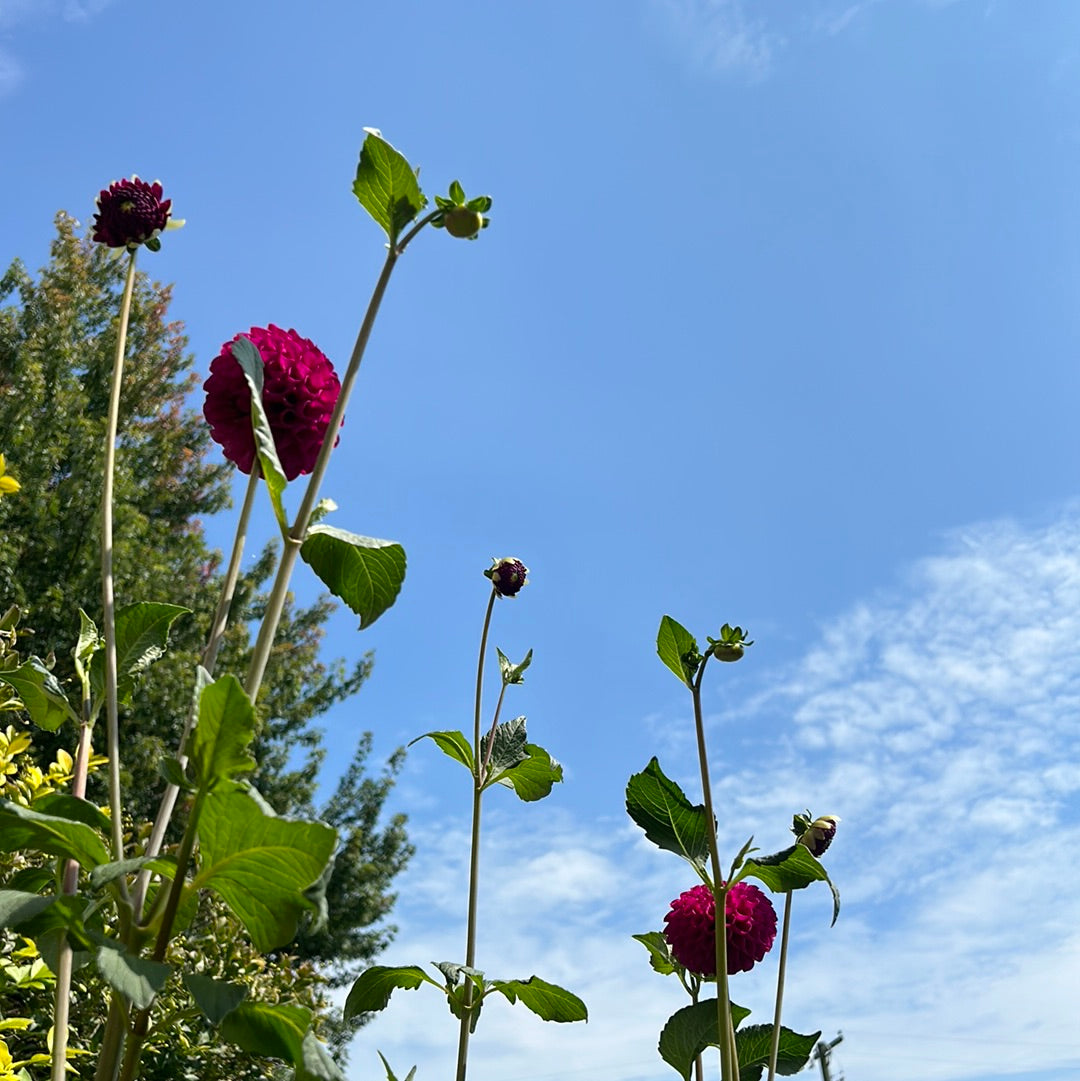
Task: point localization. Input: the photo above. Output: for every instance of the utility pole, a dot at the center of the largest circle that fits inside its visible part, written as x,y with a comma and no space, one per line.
823,1051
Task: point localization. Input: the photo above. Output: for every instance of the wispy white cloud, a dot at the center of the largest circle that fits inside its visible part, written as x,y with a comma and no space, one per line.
940,720
721,36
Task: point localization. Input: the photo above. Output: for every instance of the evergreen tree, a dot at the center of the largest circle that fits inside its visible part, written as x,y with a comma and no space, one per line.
57,338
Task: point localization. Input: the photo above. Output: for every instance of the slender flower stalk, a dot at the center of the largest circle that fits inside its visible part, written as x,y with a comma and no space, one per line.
728,1063
774,1051
474,850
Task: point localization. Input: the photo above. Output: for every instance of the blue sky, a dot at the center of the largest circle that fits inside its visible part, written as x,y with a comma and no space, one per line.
775,323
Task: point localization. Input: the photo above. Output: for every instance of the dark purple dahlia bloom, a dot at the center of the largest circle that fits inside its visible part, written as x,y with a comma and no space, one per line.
690,931
817,835
130,213
300,390
508,576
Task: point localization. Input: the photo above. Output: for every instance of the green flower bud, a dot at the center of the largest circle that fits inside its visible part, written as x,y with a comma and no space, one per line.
463,223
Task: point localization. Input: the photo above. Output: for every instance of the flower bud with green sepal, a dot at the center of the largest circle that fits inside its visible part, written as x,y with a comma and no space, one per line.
731,644
460,217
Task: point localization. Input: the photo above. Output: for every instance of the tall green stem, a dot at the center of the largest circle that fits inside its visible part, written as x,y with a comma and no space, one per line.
775,1050
474,850
108,600
728,1063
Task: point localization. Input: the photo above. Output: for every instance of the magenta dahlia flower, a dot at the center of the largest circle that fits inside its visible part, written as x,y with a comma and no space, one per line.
300,390
130,213
750,922
508,576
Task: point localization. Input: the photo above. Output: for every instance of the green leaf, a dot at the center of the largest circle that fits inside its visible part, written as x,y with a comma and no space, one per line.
792,869
251,363
673,643
690,1030
659,806
364,572
218,746
260,864
659,952
547,1000
453,744
142,633
386,185
110,872
170,770
507,743
90,641
16,906
40,693
214,997
21,827
315,1062
390,1073
457,193
65,805
533,778
262,1029
138,978
374,986
513,673
754,1046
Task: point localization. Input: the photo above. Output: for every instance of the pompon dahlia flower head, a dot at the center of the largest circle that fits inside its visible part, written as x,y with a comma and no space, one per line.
300,390
690,930
130,213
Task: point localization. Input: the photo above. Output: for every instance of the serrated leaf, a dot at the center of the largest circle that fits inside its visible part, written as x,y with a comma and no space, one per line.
139,978
386,185
793,868
660,807
218,746
513,673
547,1000
659,952
673,642
507,748
40,693
690,1030
364,572
21,827
372,989
533,778
142,635
214,997
754,1047
452,744
251,363
260,865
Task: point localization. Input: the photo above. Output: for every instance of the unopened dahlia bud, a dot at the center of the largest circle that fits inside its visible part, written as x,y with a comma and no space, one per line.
816,835
463,223
750,920
300,390
507,576
130,213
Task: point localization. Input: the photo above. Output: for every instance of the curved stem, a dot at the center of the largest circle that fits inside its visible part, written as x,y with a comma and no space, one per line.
474,850
775,1051
209,659
729,1069
108,600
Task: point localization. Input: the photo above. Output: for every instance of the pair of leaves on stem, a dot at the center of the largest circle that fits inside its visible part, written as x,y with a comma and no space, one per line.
364,572
660,807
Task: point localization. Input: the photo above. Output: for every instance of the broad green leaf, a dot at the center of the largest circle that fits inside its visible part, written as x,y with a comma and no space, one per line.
110,872
138,978
260,865
214,997
660,807
533,778
65,805
513,673
673,643
21,827
504,748
364,572
659,952
90,641
547,1000
455,972
142,633
690,1030
263,1029
218,746
15,906
453,744
251,363
175,774
386,185
754,1046
792,869
315,1062
375,985
40,693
